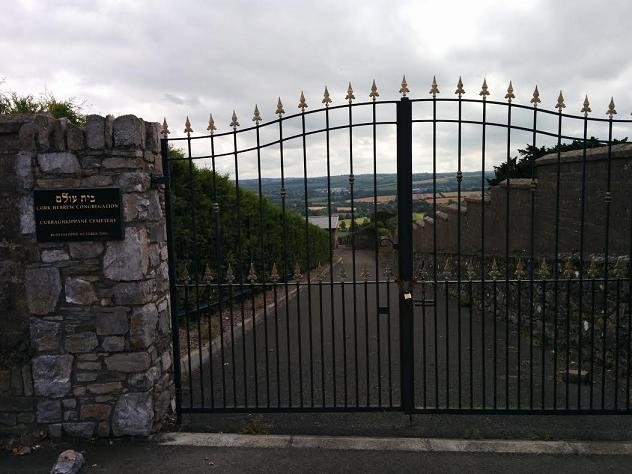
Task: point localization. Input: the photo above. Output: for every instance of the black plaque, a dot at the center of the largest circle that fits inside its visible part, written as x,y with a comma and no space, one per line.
78,214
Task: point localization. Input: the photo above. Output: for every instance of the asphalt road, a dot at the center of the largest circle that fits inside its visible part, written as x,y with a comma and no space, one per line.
336,346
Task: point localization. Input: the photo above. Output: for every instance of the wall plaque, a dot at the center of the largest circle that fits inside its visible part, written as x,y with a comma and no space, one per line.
78,214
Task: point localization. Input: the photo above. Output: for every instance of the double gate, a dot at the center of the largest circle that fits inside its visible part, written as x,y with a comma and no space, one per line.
311,269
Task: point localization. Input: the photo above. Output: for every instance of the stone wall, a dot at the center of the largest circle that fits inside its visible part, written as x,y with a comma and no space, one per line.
545,193
85,336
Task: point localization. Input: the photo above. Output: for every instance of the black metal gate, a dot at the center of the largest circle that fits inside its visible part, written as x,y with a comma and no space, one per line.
453,287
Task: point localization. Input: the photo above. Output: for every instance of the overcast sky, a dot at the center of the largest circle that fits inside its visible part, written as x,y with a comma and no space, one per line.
173,59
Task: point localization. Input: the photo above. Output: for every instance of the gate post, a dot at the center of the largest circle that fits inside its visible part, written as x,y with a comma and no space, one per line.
405,247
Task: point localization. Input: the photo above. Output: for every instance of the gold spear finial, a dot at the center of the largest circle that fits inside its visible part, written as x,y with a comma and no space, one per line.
365,275
484,89
211,124
374,93
536,97
230,276
297,272
586,108
274,273
544,270
459,88
187,126
326,97
434,89
349,95
234,123
569,269
611,110
279,109
252,274
256,118
593,268
302,104
519,273
510,93
209,276
165,128
494,273
560,103
404,87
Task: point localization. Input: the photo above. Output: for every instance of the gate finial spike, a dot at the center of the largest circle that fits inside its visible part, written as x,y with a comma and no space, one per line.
279,109
274,273
593,268
560,103
569,269
297,272
484,89
536,97
470,271
365,275
211,124
620,270
349,95
165,128
611,110
519,273
187,127
544,271
434,89
586,108
209,276
302,104
234,123
230,276
374,93
494,273
459,88
510,93
326,97
257,116
252,275
404,89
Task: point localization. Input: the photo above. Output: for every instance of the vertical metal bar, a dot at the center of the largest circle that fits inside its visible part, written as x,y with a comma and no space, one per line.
353,260
300,341
331,262
388,333
447,343
377,263
322,338
556,264
424,345
483,274
308,263
471,345
495,346
507,273
581,263
607,199
262,260
532,254
254,341
218,259
542,394
210,344
459,178
405,247
366,340
232,339
175,323
568,339
188,330
276,343
434,247
344,341
519,337
592,342
616,345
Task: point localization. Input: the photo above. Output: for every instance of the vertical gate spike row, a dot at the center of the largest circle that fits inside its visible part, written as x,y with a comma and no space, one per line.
302,104
510,93
520,272
279,109
494,273
274,273
586,108
211,124
350,95
252,275
544,270
256,118
187,127
535,100
326,97
484,89
297,272
234,123
611,110
569,269
404,87
593,268
434,89
560,103
459,88
230,276
374,94
164,131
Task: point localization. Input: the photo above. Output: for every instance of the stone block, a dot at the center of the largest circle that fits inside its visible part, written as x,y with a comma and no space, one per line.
133,415
14,404
95,411
108,129
42,288
144,381
27,380
105,388
26,418
58,163
79,291
5,380
54,430
152,136
69,403
83,429
49,411
51,375
143,326
81,342
112,323
136,182
85,249
86,376
128,259
95,132
54,255
74,138
137,292
113,344
129,131
16,381
128,362
165,361
88,365
45,335
27,214
135,207
24,169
